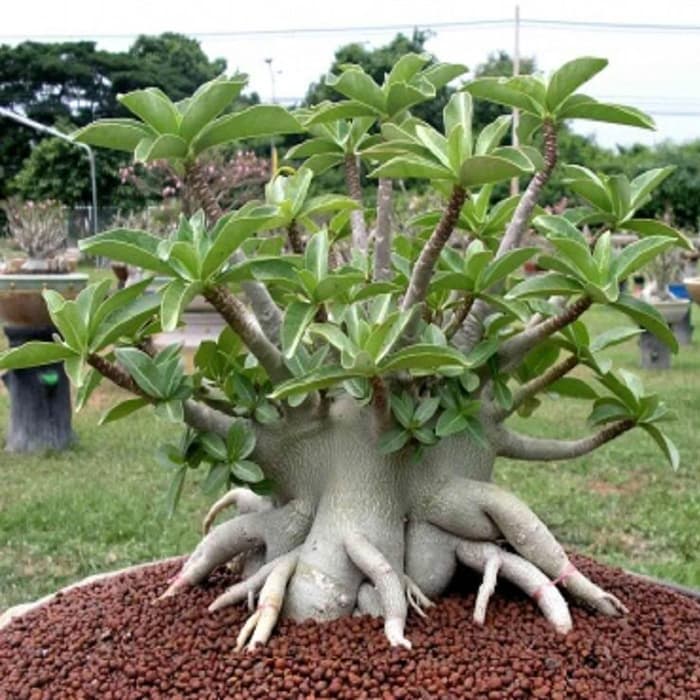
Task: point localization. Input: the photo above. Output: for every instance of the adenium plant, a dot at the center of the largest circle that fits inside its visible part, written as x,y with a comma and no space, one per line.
359,398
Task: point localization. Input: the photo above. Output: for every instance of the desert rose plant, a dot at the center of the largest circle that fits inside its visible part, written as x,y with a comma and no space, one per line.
360,396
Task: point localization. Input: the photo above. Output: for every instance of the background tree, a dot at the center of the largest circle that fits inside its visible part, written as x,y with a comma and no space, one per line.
73,83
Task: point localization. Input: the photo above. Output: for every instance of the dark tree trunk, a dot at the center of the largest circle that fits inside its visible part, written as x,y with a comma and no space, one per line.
655,353
40,405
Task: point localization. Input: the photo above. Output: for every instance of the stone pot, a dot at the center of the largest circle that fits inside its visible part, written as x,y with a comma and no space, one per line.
21,302
673,310
692,284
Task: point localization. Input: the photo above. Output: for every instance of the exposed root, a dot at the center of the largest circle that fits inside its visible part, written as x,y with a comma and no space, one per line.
416,598
245,500
489,559
223,543
524,531
582,588
374,565
250,586
261,623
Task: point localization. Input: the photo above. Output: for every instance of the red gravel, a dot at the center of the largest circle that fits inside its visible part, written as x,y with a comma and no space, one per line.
108,641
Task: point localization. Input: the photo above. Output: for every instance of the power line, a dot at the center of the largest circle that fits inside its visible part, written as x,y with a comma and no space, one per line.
363,29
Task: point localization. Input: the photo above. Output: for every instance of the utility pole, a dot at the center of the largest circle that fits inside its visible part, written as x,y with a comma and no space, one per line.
514,187
26,121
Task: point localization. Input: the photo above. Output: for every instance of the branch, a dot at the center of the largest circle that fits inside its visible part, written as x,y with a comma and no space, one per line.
196,415
380,404
517,446
535,386
473,325
515,348
357,216
246,326
458,318
382,236
423,270
295,241
264,307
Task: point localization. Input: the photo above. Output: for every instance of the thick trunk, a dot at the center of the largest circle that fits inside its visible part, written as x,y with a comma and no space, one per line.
354,530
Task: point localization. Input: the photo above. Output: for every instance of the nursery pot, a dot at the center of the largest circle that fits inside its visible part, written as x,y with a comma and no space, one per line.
40,405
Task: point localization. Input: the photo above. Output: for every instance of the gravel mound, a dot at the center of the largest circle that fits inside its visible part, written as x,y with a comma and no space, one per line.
109,641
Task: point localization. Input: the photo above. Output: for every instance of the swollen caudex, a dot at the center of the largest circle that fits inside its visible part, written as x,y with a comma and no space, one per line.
377,534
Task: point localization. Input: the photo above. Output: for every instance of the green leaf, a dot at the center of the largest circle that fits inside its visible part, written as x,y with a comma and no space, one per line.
333,111
129,246
355,84
492,135
419,357
574,388
207,103
123,409
316,255
426,410
230,232
439,74
434,142
651,227
588,108
567,79
124,320
175,296
92,380
669,450
558,226
142,369
451,422
335,336
216,479
648,317
401,96
154,107
614,336
255,121
545,285
499,91
322,378
481,170
406,67
175,490
643,185
412,165
328,203
458,112
636,255
214,446
117,134
501,267
165,147
67,318
313,147
297,317
34,354
402,408
247,471
392,440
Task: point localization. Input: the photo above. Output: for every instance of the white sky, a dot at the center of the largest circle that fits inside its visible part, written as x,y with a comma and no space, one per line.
657,71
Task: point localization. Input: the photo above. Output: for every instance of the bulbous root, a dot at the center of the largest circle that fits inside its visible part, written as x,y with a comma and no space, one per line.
245,501
258,627
491,559
539,564
416,598
386,581
278,531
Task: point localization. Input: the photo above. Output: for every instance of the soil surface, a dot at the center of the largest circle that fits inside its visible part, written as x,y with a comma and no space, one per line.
108,640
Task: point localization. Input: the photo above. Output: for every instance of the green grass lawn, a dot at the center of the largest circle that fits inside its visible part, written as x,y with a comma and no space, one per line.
100,506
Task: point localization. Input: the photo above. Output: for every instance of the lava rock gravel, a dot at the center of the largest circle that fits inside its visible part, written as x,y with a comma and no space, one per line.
110,641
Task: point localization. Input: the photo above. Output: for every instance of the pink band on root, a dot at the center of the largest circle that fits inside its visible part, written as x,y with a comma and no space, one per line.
568,570
274,606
